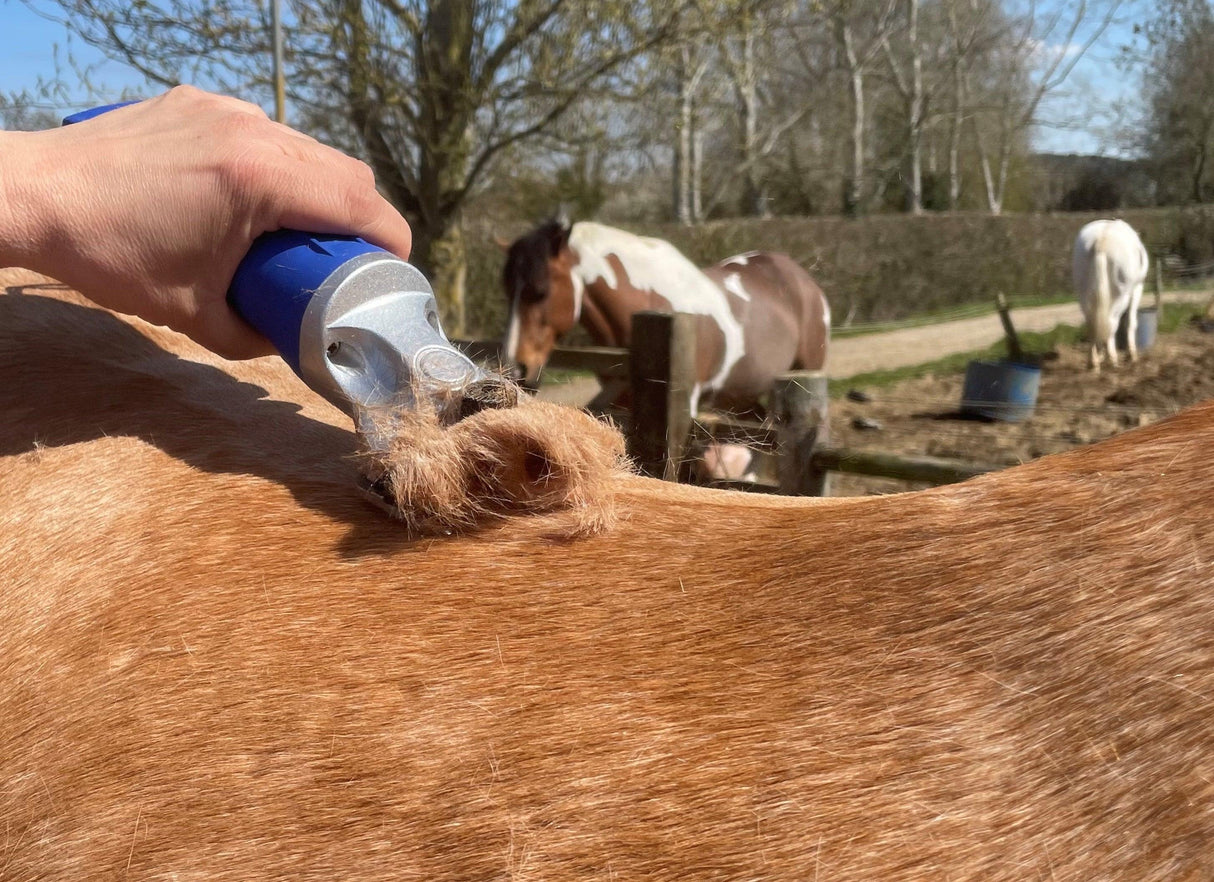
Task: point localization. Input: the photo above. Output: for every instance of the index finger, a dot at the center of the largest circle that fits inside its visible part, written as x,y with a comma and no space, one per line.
337,201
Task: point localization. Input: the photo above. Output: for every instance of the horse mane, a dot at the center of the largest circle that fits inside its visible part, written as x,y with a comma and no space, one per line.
525,272
594,241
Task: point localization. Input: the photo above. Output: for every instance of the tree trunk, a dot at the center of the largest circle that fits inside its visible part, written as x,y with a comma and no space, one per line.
954,138
915,115
1005,158
754,195
1199,166
442,256
1199,162
444,148
994,191
682,153
697,177
853,191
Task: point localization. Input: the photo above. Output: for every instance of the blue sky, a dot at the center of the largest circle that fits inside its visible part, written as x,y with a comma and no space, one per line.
1097,93
1100,97
27,52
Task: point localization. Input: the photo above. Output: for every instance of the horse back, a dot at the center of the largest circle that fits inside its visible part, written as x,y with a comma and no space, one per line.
783,311
1116,243
213,666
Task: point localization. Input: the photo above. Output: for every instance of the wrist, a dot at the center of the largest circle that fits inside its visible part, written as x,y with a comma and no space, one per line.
27,200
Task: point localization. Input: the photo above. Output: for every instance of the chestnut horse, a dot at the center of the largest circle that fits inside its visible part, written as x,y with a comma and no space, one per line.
760,313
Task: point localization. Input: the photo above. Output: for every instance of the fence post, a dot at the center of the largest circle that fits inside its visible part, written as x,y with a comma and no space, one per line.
799,407
662,368
1158,287
1014,352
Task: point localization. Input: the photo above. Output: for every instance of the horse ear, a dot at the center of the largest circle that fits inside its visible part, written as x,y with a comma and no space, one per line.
559,234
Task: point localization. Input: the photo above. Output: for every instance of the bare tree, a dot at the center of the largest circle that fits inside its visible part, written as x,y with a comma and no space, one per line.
1037,52
745,35
861,30
23,112
430,92
1179,80
908,78
972,27
690,69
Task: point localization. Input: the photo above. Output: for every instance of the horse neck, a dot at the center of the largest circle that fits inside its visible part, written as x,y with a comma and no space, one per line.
605,310
606,313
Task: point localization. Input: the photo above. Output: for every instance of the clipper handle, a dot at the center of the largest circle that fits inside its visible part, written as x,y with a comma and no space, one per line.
356,323
280,275
277,278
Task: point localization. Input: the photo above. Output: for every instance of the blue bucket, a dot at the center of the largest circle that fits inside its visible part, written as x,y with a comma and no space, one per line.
1148,325
1000,390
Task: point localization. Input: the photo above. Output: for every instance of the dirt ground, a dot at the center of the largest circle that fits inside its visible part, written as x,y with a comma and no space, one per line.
1074,407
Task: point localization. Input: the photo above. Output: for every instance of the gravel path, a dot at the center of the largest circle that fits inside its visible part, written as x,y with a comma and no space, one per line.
910,346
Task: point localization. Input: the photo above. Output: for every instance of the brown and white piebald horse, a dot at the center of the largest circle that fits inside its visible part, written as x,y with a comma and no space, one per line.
760,313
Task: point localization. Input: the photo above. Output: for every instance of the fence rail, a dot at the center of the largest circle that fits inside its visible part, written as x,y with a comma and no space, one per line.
604,361
663,434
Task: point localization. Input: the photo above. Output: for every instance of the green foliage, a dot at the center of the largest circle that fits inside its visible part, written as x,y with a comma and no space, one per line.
1179,80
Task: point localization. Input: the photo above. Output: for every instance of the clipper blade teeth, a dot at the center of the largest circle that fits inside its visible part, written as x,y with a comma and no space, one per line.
377,492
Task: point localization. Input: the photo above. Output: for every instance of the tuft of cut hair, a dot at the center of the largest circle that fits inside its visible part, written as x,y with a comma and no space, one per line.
532,458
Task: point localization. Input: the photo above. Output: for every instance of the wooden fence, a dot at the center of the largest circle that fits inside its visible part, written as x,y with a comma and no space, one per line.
664,435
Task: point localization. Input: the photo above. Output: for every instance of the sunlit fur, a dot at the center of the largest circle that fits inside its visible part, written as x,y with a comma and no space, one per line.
216,662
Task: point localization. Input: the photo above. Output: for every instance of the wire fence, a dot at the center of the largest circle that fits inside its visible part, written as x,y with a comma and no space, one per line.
944,406
953,433
1187,272
959,313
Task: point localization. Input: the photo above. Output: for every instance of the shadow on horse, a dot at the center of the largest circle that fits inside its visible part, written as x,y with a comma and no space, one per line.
759,313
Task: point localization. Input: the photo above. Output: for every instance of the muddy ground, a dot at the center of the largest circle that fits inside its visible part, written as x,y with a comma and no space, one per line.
1074,407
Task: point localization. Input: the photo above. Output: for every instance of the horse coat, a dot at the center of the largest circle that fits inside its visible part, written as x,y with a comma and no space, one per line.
760,313
217,662
1109,265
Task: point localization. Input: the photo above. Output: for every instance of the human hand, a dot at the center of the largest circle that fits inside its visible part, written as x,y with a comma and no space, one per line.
148,209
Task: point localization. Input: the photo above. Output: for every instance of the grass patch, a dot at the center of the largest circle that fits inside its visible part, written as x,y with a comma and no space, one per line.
1033,343
556,376
1175,317
1179,315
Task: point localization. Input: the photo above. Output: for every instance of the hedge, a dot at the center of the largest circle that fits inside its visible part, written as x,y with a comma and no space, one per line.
890,267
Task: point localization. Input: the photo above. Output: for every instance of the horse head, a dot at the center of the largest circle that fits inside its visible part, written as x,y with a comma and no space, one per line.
540,288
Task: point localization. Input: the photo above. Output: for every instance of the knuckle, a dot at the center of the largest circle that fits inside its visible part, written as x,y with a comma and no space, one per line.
185,92
364,172
360,203
246,171
242,125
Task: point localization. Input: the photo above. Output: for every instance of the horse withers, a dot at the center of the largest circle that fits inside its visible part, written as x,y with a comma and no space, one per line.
1109,265
760,313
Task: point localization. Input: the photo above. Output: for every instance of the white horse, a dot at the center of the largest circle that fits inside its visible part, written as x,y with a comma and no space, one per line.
1109,266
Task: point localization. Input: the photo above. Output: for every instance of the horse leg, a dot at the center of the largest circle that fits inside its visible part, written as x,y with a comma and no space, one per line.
1094,345
1110,345
1132,322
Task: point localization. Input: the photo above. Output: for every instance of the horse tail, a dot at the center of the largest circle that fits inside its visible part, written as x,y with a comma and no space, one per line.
1101,293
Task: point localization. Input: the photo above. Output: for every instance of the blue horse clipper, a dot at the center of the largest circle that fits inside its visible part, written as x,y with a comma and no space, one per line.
358,324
